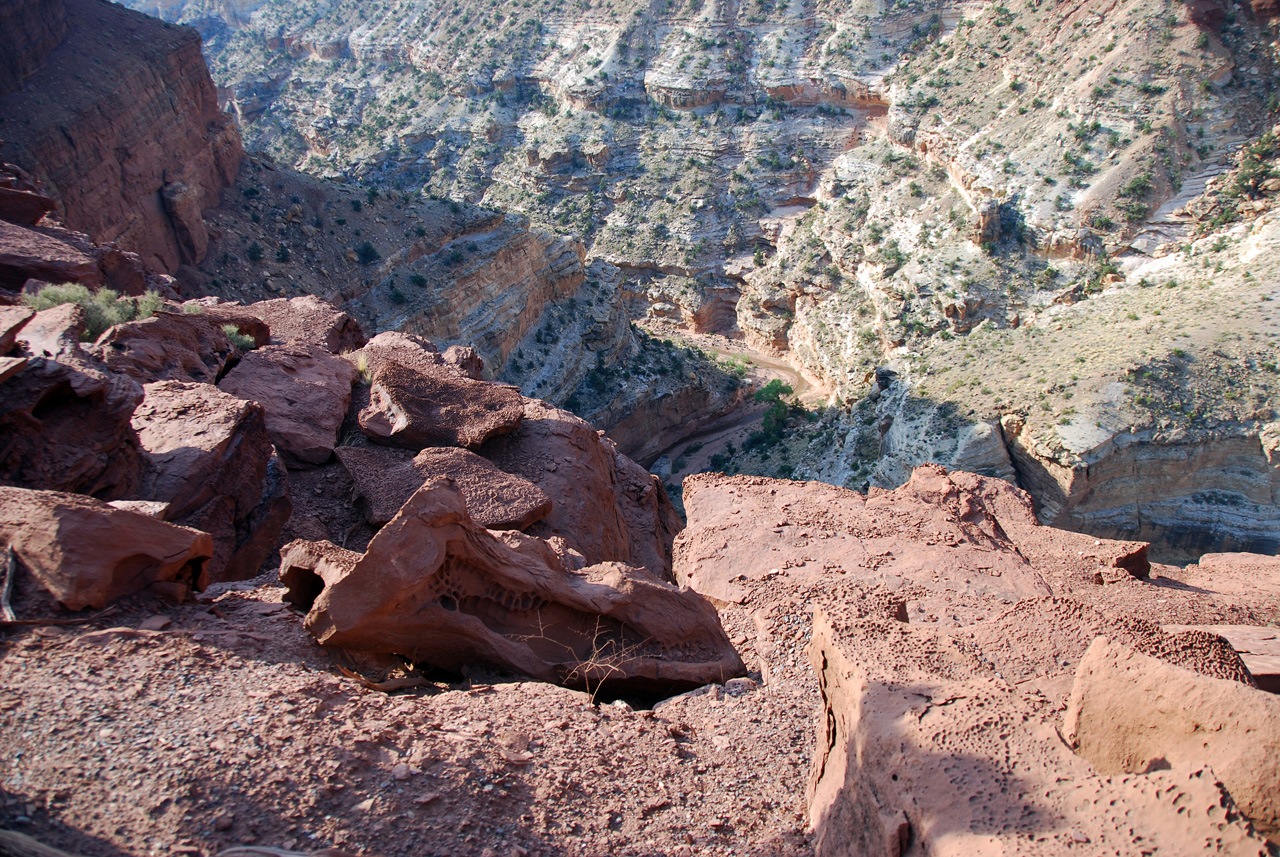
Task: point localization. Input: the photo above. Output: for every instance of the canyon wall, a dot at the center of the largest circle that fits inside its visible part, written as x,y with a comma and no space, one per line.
31,32
135,152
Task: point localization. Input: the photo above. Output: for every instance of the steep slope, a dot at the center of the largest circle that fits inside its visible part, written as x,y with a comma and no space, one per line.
932,187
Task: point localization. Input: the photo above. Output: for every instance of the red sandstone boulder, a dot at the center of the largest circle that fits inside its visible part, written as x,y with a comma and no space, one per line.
207,456
392,346
24,207
12,320
435,586
386,478
436,406
309,320
305,391
86,553
29,254
605,505
64,419
166,347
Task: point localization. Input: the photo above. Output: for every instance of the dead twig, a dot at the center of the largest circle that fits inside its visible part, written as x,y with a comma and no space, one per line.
28,623
390,684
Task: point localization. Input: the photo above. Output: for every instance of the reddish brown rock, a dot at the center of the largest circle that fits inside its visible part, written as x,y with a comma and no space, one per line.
386,478
466,360
206,455
24,207
606,506
12,319
437,406
305,391
32,29
392,346
222,312
166,347
86,553
438,588
1131,713
742,528
30,254
113,146
309,320
64,419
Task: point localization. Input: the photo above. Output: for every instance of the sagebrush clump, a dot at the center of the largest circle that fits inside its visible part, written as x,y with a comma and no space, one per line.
103,309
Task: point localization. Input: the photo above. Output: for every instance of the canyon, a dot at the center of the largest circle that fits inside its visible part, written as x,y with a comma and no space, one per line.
773,429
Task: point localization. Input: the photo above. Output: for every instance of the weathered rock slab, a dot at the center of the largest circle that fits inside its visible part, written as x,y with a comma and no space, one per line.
1131,713
386,478
437,406
86,553
305,391
166,347
309,320
207,456
436,587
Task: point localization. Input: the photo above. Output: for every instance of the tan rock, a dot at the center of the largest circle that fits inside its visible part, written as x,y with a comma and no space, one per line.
86,553
386,478
305,391
436,587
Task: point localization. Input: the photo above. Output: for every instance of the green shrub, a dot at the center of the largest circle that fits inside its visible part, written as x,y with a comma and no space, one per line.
367,253
242,341
103,309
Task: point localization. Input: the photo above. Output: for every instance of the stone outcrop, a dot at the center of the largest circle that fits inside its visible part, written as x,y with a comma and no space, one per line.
64,419
86,553
1217,492
437,588
305,391
385,478
738,524
914,726
1130,713
167,347
311,321
437,406
206,456
606,506
132,153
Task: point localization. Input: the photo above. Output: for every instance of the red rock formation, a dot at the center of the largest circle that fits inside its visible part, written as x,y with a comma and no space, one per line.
437,406
166,347
306,392
64,419
606,506
386,478
121,124
32,29
436,587
309,320
207,457
86,553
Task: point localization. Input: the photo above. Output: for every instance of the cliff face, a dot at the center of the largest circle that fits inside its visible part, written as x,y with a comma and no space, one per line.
133,152
31,32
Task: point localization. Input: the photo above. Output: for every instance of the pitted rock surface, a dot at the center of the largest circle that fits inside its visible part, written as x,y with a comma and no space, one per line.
167,347
309,320
386,478
437,406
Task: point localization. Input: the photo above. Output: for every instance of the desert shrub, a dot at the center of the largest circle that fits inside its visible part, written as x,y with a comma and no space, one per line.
367,253
255,252
102,309
242,341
